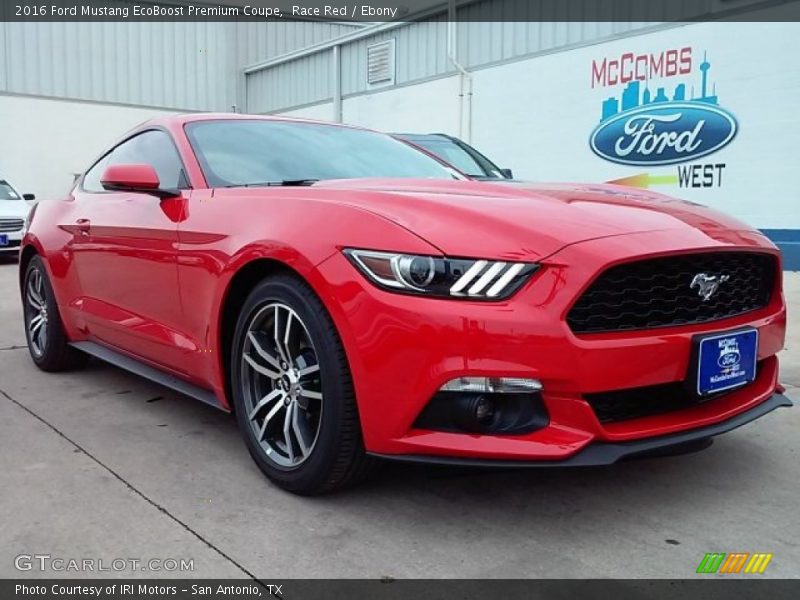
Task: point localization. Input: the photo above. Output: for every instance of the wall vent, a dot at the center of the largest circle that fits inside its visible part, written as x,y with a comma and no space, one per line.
380,63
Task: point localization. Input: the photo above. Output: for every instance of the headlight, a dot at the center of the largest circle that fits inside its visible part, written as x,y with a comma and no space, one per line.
27,222
466,278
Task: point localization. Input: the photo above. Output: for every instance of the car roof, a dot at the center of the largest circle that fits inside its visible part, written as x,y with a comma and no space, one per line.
182,119
421,136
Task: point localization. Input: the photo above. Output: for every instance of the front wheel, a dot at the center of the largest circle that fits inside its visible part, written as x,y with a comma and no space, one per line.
293,392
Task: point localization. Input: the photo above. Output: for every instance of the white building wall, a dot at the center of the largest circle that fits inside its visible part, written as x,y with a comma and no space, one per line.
432,106
183,65
46,141
536,116
317,112
192,65
487,32
69,89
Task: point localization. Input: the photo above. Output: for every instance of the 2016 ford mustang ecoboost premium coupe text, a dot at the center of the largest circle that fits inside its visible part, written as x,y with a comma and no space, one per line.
349,296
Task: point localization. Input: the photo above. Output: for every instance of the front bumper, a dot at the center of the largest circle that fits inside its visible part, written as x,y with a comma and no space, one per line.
606,453
402,349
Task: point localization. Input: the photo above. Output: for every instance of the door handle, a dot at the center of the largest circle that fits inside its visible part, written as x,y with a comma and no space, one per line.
83,226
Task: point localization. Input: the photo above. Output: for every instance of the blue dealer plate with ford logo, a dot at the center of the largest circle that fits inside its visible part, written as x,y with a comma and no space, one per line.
663,133
726,361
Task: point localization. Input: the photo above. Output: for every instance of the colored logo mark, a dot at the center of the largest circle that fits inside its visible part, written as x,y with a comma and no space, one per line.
658,130
736,562
663,135
729,356
645,180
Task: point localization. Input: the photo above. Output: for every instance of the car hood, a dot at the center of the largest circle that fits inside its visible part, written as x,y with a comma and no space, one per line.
527,221
14,209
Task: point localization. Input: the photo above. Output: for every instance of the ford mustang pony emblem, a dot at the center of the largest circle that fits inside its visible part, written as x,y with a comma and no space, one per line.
707,285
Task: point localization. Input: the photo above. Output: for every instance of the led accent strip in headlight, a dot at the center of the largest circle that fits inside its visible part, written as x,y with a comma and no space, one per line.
472,279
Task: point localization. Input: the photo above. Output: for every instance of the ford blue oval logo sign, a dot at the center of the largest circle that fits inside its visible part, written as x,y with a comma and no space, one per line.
663,134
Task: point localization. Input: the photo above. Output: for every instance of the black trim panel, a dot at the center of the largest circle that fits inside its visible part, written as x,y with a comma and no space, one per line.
607,453
137,367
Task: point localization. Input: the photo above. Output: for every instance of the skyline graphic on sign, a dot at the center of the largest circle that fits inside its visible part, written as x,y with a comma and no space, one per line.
633,97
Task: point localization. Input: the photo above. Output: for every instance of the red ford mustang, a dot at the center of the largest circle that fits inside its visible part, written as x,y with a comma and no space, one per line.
351,297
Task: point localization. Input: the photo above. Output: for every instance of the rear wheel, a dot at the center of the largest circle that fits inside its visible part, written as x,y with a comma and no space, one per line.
293,391
44,331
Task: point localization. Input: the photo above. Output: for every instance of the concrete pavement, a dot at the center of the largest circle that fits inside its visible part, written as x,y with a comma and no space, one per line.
102,464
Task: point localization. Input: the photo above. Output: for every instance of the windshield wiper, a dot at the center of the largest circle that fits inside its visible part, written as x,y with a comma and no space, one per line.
284,182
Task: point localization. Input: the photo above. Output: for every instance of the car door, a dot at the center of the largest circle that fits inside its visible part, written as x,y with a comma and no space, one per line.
124,251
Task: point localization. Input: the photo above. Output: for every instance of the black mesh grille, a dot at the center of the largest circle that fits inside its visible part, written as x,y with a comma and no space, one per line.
656,293
634,403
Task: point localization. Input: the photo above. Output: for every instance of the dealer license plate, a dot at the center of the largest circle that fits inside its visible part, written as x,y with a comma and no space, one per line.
726,361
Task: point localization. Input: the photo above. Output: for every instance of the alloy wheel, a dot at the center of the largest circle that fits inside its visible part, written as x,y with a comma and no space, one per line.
36,310
281,385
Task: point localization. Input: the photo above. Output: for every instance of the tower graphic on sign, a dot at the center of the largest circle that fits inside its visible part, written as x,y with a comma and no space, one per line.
632,96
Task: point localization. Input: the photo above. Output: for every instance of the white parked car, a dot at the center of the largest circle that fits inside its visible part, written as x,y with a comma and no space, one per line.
14,209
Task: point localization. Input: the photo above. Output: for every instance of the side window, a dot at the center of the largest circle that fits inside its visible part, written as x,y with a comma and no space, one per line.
151,147
91,181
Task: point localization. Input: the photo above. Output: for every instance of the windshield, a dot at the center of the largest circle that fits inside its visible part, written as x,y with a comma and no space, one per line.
7,192
455,155
250,152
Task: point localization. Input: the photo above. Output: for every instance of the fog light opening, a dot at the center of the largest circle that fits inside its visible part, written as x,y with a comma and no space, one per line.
486,413
485,410
475,413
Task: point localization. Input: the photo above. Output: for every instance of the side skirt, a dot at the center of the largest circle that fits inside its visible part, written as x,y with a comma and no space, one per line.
123,361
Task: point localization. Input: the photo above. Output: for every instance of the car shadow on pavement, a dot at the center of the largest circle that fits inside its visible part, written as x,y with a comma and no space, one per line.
188,459
732,454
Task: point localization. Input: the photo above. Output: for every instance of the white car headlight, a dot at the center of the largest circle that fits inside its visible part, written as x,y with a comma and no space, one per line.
26,223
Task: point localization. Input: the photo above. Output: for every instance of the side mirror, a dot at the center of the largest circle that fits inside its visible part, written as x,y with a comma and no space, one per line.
507,173
29,197
139,178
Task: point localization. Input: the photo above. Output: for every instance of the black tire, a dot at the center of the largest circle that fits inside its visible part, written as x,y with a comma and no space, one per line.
338,458
52,351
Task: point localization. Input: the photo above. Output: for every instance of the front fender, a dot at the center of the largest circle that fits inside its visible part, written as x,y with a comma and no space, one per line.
298,236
